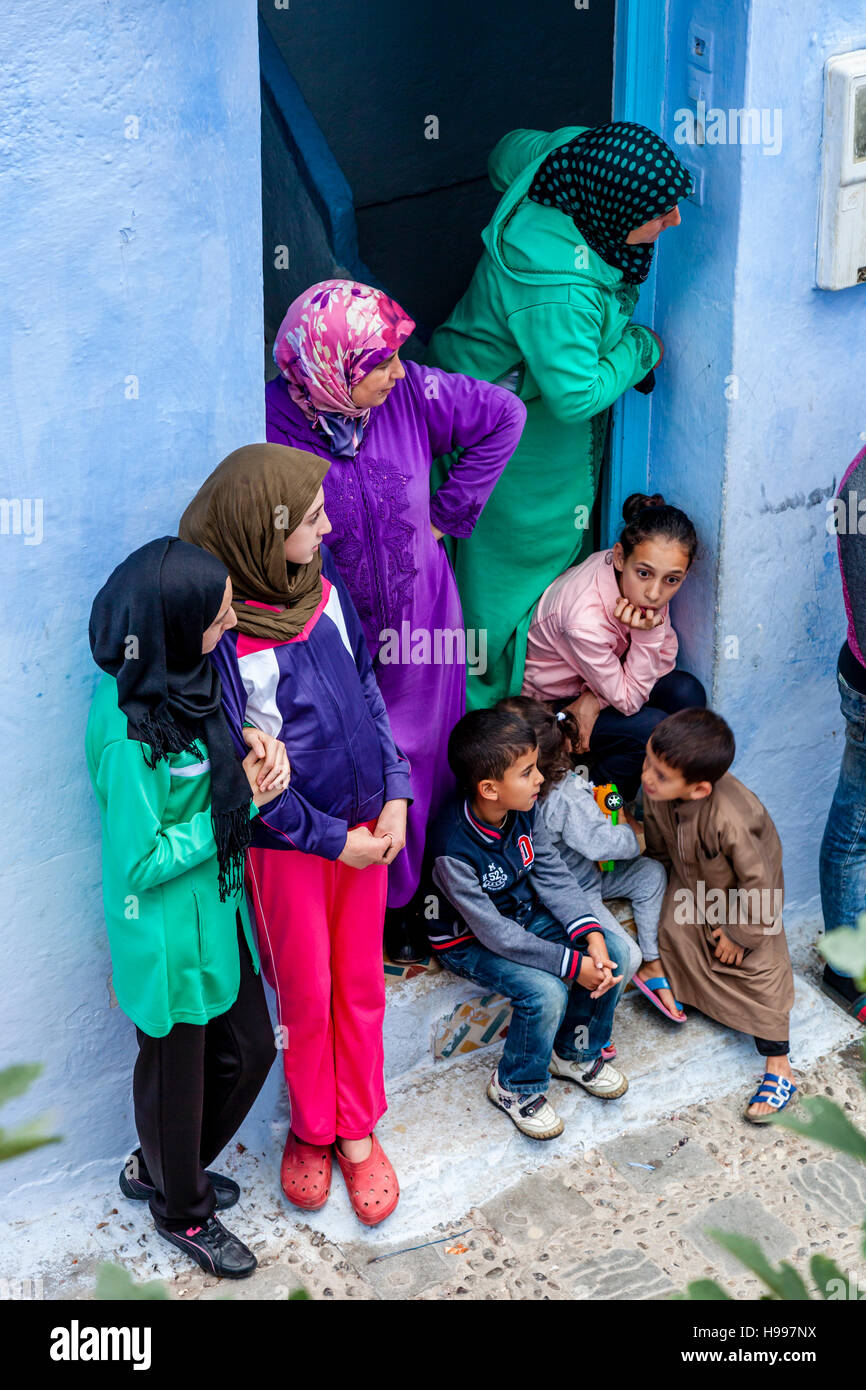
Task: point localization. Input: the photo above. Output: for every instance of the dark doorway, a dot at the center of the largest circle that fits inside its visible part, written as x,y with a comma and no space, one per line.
411,99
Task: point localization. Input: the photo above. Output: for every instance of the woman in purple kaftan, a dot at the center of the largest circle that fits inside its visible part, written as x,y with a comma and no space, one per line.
345,395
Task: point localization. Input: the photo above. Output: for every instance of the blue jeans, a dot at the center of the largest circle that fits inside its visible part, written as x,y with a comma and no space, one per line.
843,848
547,1013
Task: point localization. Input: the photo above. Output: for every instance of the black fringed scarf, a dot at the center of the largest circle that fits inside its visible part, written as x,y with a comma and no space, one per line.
146,629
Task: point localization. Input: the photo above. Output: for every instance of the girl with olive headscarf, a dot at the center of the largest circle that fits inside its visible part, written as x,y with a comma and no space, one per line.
297,667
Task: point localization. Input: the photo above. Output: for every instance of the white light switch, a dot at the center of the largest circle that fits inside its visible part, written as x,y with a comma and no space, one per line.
842,230
701,42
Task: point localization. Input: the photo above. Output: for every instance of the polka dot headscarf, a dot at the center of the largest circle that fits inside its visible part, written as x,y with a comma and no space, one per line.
610,180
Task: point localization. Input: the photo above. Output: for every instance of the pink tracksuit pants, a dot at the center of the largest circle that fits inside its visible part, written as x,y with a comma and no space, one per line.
320,940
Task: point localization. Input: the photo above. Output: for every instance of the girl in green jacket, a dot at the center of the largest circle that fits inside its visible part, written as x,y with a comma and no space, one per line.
548,313
176,804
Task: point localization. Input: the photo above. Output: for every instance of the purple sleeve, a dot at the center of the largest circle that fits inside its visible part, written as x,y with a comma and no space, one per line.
485,423
395,765
288,822
275,432
291,822
234,696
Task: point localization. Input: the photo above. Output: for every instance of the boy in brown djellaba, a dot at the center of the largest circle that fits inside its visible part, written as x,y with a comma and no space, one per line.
721,936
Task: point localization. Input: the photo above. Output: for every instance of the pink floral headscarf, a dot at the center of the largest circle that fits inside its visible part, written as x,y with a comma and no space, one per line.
332,336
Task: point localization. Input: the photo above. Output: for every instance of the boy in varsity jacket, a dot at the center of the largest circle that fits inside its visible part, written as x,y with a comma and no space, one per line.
512,918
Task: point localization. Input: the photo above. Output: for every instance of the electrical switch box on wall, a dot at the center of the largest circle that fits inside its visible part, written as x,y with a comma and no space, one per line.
842,230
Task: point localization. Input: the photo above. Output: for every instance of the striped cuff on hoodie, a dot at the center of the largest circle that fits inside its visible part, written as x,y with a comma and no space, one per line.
581,925
571,963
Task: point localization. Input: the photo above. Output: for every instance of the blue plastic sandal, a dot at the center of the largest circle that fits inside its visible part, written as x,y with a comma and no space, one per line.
774,1090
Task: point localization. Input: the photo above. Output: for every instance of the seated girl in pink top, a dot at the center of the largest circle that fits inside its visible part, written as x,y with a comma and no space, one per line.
601,642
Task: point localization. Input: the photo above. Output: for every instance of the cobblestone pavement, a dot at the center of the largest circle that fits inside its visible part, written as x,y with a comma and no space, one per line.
626,1221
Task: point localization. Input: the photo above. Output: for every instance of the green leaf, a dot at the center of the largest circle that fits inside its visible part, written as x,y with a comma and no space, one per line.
845,949
823,1270
298,1294
14,1081
704,1291
784,1283
793,1288
828,1125
113,1282
24,1138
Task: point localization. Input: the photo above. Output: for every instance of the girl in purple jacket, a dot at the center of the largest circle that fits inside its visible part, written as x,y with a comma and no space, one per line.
344,394
297,663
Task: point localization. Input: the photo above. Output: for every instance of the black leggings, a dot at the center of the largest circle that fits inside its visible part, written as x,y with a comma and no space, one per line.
618,741
772,1049
192,1089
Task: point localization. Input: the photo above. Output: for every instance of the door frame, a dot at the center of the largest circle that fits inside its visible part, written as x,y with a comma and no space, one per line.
639,67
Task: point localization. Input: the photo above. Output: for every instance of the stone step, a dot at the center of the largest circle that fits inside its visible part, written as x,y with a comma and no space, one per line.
433,1018
453,1150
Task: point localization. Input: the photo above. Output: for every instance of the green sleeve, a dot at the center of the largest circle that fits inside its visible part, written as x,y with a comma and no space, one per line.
145,852
559,342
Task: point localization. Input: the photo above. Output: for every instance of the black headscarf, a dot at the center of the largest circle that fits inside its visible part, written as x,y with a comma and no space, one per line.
611,179
146,627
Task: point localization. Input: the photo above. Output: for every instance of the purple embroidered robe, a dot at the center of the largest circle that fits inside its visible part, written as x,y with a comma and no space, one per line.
398,575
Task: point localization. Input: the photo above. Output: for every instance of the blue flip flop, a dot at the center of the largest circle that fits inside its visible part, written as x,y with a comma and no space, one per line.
646,988
774,1090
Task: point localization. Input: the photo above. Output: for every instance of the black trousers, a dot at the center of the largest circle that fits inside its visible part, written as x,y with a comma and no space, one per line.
618,741
192,1089
767,1048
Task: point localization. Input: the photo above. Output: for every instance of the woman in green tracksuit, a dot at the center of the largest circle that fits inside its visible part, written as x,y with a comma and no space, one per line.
176,803
548,313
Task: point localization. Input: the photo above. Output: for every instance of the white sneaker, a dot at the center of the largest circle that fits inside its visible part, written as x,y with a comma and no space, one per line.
533,1114
598,1077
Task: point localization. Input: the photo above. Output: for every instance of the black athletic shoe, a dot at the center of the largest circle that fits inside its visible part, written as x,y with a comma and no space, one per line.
136,1182
405,939
214,1249
844,992
842,984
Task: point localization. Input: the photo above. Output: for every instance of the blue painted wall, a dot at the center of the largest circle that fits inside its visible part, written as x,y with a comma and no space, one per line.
130,265
131,362
761,405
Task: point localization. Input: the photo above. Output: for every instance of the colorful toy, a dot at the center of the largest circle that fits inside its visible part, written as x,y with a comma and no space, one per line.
608,800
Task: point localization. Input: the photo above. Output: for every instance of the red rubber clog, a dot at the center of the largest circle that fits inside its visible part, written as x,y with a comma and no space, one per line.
372,1184
305,1173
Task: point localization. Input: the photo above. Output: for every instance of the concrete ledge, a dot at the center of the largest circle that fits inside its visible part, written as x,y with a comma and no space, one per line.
414,1008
